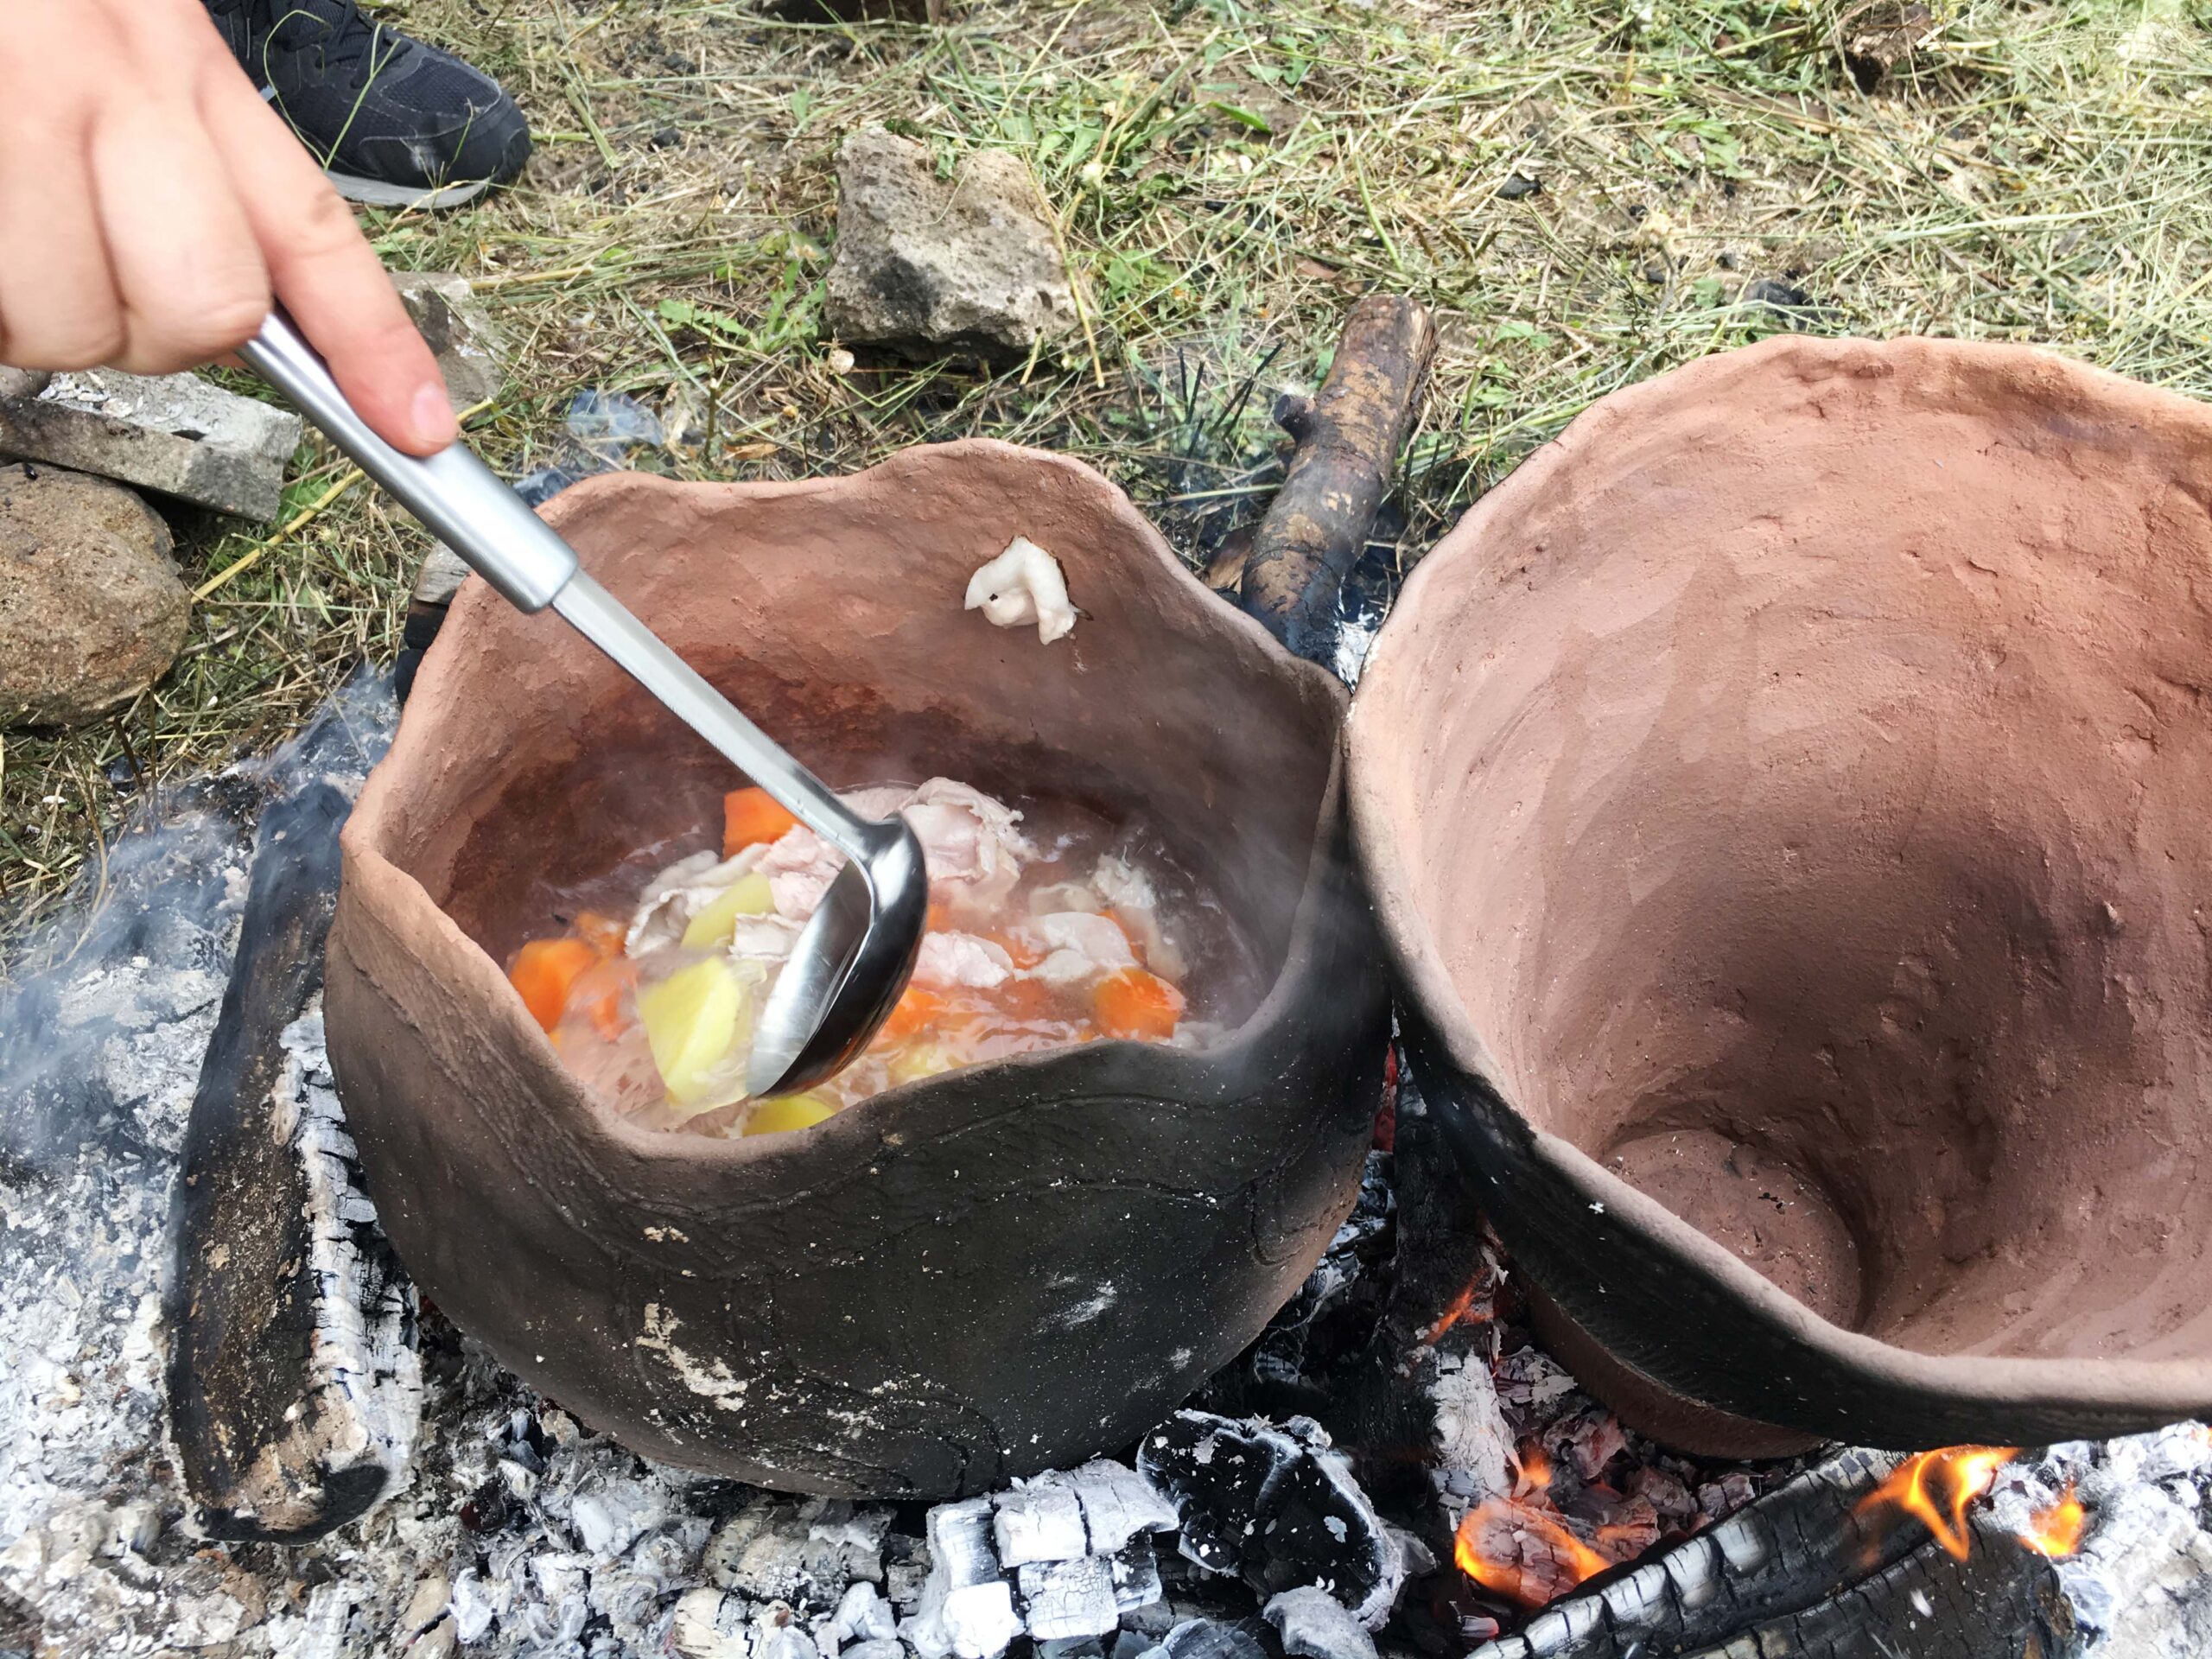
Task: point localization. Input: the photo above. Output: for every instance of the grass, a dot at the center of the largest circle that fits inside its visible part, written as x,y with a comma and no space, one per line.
1228,176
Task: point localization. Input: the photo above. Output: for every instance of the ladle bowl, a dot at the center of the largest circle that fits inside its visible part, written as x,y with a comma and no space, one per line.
1786,799
996,1271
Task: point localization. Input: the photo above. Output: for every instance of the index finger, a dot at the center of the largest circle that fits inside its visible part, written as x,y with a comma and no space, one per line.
326,274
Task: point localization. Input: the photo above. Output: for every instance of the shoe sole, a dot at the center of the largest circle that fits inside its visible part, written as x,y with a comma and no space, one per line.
377,193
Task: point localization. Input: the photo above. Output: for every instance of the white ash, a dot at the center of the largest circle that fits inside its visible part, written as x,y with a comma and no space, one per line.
2139,1586
363,1360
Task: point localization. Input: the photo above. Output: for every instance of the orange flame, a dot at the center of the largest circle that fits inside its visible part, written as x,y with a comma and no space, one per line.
1462,1307
1536,1469
1522,1551
2056,1531
1936,1488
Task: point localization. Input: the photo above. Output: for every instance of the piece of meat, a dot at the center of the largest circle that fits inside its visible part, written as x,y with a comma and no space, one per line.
961,959
969,842
800,866
1077,947
1024,584
1127,892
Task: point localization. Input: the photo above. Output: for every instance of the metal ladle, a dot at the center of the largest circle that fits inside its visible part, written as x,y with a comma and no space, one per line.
854,955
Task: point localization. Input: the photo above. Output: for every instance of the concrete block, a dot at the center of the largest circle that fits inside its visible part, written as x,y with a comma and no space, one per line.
175,434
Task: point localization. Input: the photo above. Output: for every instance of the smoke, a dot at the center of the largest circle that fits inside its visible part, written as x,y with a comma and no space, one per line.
100,1044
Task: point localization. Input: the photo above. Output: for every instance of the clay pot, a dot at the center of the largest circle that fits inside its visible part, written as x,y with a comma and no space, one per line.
998,1271
1786,799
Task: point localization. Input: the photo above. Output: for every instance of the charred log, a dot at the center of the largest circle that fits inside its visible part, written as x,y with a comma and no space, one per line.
1801,1572
294,1390
1348,437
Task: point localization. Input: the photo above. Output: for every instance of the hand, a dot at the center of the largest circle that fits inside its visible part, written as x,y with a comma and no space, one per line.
150,204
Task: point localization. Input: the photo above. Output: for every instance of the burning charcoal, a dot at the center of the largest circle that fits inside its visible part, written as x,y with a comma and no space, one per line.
1316,1625
1277,1506
709,1625
1474,1448
613,1515
294,1391
960,1543
1207,1638
1136,1572
975,1621
902,1582
779,1550
781,1641
863,1615
1039,1520
1118,1503
1589,1440
1530,1381
1339,1290
1725,1495
473,1607
1061,1599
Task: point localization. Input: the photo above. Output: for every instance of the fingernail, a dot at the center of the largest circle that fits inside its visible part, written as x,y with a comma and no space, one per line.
433,417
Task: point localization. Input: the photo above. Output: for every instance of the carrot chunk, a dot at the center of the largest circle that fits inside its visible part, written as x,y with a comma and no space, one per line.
751,816
545,971
917,1010
603,933
1133,1003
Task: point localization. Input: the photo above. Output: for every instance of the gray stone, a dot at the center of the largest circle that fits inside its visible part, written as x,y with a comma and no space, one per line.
92,612
21,383
175,434
928,266
459,331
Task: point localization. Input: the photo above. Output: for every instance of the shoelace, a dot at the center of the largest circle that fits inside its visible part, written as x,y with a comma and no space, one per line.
346,36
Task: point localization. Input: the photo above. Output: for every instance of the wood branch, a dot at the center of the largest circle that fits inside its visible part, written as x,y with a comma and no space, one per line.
1348,438
294,1391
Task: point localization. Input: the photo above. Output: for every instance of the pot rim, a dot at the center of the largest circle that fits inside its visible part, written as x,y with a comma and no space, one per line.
1179,1072
2180,1387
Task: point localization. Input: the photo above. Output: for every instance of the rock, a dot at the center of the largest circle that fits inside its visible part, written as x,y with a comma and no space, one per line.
175,434
92,612
455,323
21,383
928,266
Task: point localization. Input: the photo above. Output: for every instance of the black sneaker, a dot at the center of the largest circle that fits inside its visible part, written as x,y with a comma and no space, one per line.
395,123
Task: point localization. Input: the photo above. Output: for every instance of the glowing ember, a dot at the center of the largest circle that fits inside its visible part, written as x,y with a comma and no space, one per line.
2056,1531
1462,1307
1521,1549
1936,1487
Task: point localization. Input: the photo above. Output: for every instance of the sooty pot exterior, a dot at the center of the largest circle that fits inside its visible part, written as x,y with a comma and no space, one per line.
976,1277
1784,800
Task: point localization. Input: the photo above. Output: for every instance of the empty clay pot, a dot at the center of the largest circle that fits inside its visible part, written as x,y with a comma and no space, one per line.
976,1277
1786,799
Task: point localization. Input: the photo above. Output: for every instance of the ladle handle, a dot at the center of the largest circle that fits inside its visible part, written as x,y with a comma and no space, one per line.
462,502
466,505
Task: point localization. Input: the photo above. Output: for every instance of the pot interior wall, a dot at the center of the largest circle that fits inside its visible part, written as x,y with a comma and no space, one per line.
839,628
1808,811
